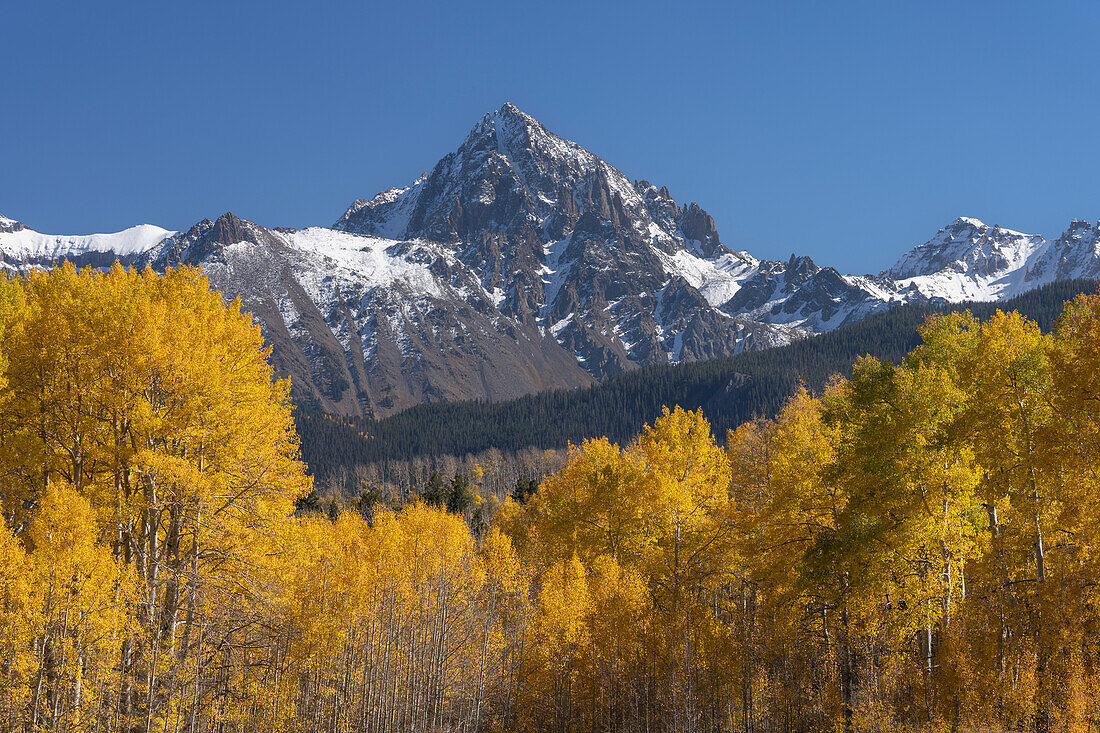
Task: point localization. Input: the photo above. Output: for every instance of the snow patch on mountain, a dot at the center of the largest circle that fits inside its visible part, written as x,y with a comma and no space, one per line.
338,259
24,244
717,279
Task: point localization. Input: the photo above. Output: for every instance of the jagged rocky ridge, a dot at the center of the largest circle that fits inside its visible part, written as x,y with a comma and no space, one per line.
523,262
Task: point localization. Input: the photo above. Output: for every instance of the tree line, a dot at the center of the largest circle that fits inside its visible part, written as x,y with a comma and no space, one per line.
730,390
909,547
497,473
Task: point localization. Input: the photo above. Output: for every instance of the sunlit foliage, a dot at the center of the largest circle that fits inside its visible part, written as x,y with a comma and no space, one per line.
912,548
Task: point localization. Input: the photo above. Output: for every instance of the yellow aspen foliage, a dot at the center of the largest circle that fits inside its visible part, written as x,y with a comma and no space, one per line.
563,604
558,667
19,623
686,495
1069,449
152,402
803,504
912,549
81,612
505,570
1073,442
593,506
750,450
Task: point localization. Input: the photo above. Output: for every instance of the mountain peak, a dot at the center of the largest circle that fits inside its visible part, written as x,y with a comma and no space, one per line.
10,225
966,256
1080,233
510,110
206,239
230,229
508,120
966,222
510,176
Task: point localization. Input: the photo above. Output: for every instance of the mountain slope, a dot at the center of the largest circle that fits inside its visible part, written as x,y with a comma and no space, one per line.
729,390
972,260
20,246
366,325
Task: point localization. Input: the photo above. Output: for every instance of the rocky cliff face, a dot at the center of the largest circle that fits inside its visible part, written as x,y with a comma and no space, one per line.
524,262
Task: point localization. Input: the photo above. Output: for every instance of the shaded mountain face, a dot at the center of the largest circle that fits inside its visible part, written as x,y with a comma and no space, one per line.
366,325
524,262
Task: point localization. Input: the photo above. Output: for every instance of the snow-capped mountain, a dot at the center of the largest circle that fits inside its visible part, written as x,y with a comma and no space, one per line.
523,262
970,260
569,245
22,245
616,271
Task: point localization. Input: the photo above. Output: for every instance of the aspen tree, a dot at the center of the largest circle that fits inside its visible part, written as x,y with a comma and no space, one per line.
154,402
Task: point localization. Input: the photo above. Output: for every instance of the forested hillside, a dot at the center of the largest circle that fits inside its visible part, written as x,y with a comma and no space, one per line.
729,390
912,548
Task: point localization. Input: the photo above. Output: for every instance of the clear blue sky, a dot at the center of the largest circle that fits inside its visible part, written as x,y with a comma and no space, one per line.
848,131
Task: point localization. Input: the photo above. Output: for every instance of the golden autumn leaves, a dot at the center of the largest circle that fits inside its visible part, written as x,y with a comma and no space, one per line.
913,548
145,456
627,548
923,531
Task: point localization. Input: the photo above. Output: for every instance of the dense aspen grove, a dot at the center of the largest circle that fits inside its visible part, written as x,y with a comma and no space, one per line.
910,548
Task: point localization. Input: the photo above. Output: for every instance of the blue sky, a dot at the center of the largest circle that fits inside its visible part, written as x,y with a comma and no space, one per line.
848,131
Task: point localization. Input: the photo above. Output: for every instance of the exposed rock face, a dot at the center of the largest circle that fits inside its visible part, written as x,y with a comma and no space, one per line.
1075,254
524,262
698,230
604,265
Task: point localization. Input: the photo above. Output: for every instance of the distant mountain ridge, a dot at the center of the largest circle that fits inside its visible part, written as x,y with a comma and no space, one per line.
524,262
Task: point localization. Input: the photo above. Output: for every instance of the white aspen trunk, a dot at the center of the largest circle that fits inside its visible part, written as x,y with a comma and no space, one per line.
43,647
77,684
64,654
